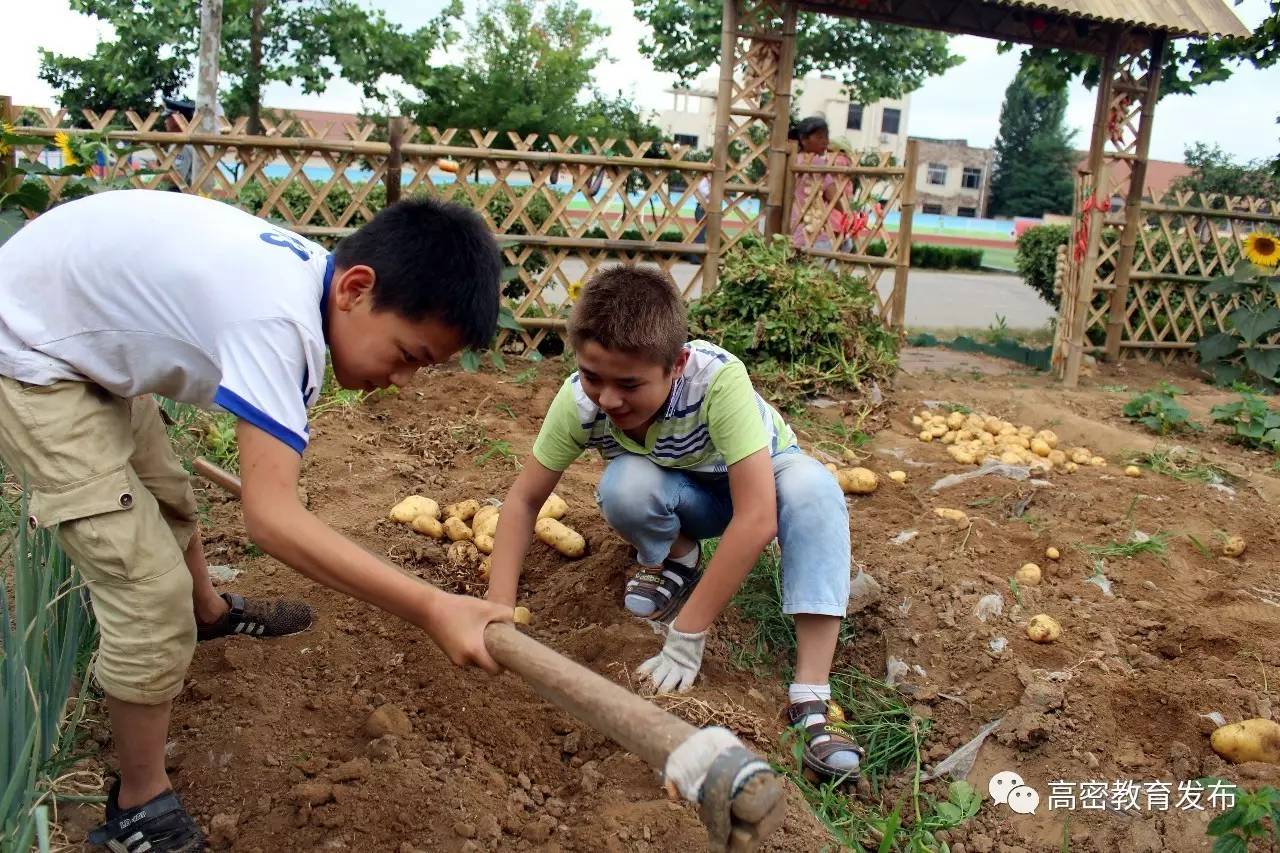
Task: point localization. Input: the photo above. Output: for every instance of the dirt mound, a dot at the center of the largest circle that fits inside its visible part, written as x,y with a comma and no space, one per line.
359,735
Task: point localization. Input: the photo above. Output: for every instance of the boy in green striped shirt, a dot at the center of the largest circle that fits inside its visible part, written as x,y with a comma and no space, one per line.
693,453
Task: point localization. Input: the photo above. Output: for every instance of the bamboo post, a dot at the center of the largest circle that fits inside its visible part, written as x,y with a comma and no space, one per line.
776,203
9,161
395,138
720,156
1089,266
1133,203
789,187
906,212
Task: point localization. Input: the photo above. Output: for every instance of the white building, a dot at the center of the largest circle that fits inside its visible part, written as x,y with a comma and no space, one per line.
881,126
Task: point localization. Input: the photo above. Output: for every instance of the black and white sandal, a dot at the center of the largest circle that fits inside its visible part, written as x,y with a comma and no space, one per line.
161,825
258,618
661,591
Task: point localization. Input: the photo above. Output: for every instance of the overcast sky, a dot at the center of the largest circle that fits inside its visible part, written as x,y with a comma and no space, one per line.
1238,114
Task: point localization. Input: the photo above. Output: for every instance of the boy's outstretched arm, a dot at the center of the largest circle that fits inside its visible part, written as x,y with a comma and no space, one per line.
753,526
515,528
282,527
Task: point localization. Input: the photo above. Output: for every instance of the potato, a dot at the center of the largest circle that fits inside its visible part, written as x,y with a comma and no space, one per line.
917,421
1233,546
1040,447
484,543
1098,461
412,507
955,516
485,520
949,438
1027,575
1026,431
926,436
1057,457
564,539
463,555
937,430
1048,436
456,529
1249,740
1070,467
898,476
428,526
992,425
1132,471
553,507
1081,455
831,467
858,481
484,568
964,457
988,439
1043,628
463,509
1011,457
955,420
1052,553
522,616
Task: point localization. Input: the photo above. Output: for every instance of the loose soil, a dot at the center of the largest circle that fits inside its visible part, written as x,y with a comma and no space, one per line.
270,746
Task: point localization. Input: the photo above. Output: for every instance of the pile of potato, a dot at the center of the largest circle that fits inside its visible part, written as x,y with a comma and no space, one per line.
470,526
974,436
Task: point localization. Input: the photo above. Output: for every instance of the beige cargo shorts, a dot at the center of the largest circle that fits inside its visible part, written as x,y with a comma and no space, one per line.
101,469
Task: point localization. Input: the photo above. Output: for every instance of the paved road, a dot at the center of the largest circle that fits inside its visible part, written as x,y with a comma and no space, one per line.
935,300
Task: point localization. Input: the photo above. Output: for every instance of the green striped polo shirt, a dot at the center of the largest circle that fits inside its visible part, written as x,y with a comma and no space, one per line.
713,418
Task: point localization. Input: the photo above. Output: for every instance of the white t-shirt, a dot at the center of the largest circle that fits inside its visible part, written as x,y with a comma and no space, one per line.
143,291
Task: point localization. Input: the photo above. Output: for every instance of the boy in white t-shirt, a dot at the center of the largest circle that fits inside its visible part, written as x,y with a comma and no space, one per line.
226,311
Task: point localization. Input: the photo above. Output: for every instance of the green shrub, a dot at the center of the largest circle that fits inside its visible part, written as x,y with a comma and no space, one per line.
801,328
928,256
1037,258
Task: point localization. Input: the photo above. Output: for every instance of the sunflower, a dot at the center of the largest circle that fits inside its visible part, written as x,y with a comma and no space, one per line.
1262,249
7,129
575,290
63,141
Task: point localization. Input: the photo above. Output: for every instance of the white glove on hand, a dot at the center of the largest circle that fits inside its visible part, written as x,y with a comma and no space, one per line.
676,666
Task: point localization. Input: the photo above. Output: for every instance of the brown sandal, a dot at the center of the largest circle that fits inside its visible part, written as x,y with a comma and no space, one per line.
816,755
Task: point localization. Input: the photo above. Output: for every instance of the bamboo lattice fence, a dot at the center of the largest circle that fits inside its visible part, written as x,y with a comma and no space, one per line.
1184,241
561,207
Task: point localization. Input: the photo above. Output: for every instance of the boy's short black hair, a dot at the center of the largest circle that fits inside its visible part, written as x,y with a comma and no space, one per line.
632,309
431,259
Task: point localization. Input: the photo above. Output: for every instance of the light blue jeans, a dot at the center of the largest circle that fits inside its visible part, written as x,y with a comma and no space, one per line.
650,505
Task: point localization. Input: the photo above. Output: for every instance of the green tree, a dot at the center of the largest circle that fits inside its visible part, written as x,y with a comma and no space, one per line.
296,42
528,67
1033,152
876,60
1188,63
1213,171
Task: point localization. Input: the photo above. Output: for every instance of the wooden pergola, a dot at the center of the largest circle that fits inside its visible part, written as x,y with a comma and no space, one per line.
1129,38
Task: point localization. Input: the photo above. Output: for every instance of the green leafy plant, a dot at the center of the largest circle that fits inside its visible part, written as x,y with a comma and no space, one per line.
46,632
802,328
1037,258
1254,423
1239,351
1159,412
1255,815
471,359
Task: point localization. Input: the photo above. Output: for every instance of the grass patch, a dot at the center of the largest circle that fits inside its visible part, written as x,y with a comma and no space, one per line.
497,451
1181,464
1156,545
772,644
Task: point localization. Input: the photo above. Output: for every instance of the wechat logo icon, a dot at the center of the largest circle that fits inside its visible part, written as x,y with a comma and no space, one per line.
1008,789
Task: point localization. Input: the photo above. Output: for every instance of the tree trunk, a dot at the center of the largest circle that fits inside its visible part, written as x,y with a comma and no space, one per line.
207,76
253,82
